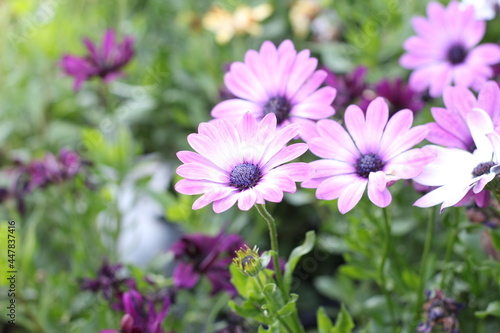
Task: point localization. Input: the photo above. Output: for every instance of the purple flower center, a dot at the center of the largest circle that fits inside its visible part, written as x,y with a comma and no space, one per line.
368,163
245,176
456,54
279,106
482,168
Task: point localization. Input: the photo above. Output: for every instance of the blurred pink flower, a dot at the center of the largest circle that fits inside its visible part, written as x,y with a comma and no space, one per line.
241,163
105,62
375,153
460,174
450,128
445,52
280,81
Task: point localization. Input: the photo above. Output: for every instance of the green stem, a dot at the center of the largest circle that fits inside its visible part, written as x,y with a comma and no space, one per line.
271,303
383,281
273,235
449,250
423,261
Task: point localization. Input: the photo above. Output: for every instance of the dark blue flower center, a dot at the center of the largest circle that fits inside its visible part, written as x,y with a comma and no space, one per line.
456,54
245,176
482,168
279,106
368,163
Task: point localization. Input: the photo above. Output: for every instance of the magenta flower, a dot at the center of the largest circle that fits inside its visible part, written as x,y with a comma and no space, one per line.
141,314
350,87
203,255
105,62
462,175
279,81
445,52
450,128
241,163
397,95
375,153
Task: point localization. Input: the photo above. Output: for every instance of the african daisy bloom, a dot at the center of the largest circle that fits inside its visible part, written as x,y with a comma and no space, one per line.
450,128
241,163
462,175
375,153
105,62
279,81
445,52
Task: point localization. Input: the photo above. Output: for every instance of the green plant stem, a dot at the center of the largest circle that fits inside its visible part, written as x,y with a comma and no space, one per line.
425,253
449,249
383,281
270,302
273,234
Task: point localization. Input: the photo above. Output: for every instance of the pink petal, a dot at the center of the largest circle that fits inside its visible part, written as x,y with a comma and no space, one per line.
351,195
270,193
194,187
286,155
335,136
247,199
242,82
441,137
355,123
309,87
298,172
212,196
480,124
489,100
410,163
224,204
233,109
198,171
377,115
378,180
327,168
302,70
381,198
483,181
332,187
486,54
404,142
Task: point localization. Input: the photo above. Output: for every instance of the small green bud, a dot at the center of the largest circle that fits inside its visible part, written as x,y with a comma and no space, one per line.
248,261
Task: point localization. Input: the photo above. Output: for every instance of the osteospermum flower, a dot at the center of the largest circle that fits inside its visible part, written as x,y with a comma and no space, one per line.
203,255
279,81
397,95
374,154
445,52
241,163
105,62
460,174
450,128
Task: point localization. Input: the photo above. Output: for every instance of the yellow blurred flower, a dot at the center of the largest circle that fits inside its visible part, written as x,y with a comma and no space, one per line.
225,25
301,14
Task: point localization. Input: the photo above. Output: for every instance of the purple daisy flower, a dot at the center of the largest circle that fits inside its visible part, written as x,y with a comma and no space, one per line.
375,153
241,163
462,175
279,81
445,51
105,62
204,255
450,128
397,95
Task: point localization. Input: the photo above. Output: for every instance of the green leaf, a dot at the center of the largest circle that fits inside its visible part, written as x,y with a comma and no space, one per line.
295,256
344,323
289,307
324,323
245,285
493,309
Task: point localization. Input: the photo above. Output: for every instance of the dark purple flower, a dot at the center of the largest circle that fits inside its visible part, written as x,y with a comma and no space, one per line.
109,283
203,255
105,62
440,311
350,87
141,314
398,96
